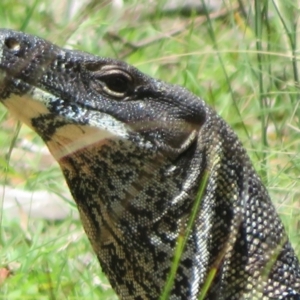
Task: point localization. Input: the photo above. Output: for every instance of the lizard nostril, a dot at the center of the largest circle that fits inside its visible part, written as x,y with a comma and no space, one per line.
12,44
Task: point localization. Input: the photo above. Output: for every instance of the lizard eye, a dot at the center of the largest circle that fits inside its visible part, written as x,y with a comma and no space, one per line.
113,82
12,44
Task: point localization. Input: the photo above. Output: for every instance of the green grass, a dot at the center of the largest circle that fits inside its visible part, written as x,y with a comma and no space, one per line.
246,67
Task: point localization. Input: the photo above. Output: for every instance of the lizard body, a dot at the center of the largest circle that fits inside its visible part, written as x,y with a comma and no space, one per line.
134,151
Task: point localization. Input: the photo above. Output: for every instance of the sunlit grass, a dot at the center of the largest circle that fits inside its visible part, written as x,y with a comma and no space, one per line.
243,66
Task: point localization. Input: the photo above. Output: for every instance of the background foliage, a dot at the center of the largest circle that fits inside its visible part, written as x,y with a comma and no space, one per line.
241,58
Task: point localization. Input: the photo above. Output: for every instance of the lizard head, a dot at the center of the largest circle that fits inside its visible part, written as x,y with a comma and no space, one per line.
128,146
71,98
121,137
134,151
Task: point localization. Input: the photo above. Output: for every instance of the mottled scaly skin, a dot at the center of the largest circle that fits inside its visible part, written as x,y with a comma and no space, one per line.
134,151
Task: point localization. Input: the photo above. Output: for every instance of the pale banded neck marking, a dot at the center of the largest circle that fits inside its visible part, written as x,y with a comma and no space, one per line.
69,138
72,138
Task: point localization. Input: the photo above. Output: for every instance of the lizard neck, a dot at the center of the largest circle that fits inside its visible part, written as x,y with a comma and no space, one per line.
134,203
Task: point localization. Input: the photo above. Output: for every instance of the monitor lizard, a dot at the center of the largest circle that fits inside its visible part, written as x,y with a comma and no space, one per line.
137,154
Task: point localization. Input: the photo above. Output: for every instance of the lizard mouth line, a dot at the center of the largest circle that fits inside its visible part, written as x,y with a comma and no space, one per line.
52,102
76,126
49,100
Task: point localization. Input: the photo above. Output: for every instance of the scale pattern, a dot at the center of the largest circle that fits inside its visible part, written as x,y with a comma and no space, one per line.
135,151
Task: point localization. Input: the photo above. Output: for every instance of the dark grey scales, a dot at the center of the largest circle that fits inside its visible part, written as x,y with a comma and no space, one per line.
134,151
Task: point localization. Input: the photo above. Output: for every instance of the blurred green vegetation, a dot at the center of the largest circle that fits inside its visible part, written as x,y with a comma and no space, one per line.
242,59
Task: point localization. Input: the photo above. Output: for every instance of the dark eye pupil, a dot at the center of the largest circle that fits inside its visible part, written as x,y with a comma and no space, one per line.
117,84
113,81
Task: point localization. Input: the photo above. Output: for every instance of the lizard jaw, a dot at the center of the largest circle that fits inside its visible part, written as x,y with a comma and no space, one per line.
69,137
22,93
